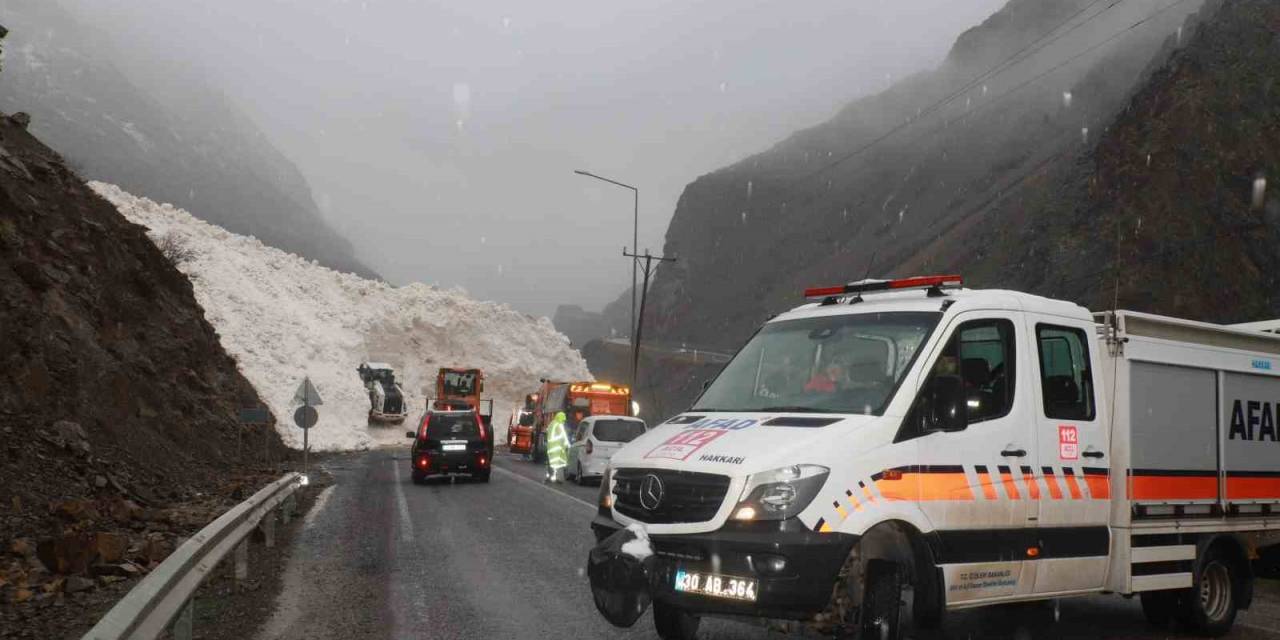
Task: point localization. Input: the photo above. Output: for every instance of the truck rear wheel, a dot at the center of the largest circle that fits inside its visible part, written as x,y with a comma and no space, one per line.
1211,603
673,623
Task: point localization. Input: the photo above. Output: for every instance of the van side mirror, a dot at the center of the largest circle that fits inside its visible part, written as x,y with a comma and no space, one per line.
943,404
411,435
706,384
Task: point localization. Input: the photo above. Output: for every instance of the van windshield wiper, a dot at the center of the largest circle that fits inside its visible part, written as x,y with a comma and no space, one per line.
695,409
794,409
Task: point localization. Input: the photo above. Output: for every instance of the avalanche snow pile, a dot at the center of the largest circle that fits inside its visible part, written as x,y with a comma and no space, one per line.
283,317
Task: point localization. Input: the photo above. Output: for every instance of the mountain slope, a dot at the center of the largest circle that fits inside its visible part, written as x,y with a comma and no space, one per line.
283,317
189,146
839,200
118,405
1173,211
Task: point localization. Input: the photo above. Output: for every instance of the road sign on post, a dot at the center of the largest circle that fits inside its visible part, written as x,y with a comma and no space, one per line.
307,394
306,416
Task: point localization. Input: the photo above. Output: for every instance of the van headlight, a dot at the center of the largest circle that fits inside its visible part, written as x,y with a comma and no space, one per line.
780,493
604,502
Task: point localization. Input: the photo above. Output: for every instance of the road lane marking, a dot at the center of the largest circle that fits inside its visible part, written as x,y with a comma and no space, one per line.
319,506
406,525
544,486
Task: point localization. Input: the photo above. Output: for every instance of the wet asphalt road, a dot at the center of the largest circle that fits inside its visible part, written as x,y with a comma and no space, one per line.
379,557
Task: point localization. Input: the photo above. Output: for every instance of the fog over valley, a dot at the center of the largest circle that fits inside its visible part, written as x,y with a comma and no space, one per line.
440,138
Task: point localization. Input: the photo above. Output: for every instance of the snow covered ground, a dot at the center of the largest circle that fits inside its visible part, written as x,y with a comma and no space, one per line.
283,317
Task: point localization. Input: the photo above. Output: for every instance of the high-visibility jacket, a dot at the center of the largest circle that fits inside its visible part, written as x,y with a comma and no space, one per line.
557,443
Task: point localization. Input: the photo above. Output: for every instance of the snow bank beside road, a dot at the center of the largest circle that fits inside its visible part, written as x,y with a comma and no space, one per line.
283,317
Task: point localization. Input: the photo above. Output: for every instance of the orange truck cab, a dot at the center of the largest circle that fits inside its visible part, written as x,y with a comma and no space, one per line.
577,400
460,388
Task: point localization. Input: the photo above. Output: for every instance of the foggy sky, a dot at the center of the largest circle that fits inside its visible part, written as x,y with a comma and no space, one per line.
441,137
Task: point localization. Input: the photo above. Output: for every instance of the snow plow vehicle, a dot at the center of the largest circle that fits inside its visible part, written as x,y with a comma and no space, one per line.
386,397
897,449
460,388
577,400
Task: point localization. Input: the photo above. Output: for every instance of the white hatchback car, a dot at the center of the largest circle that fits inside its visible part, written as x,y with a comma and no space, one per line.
594,442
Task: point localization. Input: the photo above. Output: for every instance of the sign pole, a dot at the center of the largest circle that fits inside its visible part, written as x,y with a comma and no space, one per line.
306,446
306,417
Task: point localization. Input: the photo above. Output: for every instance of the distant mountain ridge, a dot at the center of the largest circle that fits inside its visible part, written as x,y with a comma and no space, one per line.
194,148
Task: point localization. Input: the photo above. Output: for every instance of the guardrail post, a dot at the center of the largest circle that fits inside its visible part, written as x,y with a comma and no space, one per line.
269,528
242,562
182,626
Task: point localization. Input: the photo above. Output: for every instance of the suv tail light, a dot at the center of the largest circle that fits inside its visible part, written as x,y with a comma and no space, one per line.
482,460
424,461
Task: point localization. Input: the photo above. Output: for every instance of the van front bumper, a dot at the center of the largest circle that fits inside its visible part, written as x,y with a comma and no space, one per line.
799,590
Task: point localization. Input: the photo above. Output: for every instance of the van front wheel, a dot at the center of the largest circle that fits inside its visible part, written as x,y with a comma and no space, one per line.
882,603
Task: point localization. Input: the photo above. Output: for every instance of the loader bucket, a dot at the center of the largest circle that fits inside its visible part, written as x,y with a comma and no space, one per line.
619,581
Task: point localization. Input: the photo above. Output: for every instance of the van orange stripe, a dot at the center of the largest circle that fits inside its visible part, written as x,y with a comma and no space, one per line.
926,487
857,506
1070,477
1252,488
1099,483
1010,487
871,499
988,489
1174,487
1055,491
1033,487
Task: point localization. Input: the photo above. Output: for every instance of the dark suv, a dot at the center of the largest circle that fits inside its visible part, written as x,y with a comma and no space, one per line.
451,442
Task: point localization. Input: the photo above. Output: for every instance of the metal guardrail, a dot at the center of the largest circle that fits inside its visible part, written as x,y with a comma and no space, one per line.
165,595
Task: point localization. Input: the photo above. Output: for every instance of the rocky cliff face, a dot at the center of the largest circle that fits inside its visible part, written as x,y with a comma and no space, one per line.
1021,179
188,146
118,405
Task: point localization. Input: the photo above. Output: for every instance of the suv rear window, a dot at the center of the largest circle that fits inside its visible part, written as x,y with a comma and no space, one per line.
617,430
452,426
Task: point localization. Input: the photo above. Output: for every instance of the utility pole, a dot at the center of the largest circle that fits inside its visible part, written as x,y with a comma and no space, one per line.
644,294
635,241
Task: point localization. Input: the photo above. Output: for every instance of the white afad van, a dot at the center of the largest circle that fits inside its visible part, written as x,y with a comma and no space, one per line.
901,448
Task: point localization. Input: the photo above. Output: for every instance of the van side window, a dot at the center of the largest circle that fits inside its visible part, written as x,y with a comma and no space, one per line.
983,351
982,356
1066,378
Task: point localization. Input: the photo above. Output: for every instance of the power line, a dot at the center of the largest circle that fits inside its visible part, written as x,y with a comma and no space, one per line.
1022,54
898,128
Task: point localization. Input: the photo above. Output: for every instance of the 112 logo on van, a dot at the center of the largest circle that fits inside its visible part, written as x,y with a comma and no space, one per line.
684,444
1068,442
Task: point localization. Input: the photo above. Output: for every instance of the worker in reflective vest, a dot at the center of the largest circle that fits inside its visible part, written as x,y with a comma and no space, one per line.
557,449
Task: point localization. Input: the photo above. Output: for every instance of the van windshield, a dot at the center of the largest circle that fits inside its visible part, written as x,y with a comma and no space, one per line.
833,364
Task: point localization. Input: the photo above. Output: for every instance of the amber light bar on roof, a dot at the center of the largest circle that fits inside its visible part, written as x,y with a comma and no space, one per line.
871,286
599,387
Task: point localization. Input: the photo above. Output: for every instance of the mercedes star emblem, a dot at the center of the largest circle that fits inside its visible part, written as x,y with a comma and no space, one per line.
651,492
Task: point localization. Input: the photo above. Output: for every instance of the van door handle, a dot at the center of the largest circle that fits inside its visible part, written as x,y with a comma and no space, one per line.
1092,454
1014,453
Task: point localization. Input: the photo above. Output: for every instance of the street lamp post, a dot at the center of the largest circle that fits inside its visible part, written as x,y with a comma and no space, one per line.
635,235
